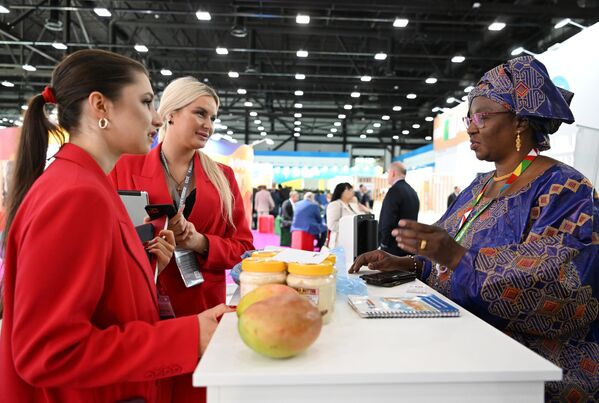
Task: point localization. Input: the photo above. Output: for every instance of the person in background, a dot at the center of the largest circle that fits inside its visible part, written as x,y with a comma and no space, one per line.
340,206
81,320
287,217
263,202
307,218
401,201
365,198
277,197
520,246
453,196
210,226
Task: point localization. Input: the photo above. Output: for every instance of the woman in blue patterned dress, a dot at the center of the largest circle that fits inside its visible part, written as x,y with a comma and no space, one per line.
519,247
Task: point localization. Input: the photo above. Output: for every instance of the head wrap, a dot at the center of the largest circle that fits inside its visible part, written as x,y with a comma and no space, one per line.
48,95
522,85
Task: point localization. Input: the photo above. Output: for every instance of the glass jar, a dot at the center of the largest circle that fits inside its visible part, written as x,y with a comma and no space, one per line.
258,271
264,254
315,282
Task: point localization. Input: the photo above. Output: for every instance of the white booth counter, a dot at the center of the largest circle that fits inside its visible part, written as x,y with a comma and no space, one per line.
379,360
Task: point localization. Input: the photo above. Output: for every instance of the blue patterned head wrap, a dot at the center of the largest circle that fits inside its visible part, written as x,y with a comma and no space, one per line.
522,85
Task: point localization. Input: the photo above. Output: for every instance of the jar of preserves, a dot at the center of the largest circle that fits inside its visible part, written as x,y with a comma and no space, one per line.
315,282
258,271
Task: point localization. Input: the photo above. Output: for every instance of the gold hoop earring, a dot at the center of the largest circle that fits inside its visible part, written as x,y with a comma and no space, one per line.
103,123
518,142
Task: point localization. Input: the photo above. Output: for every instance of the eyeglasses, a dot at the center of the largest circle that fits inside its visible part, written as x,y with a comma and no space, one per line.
479,118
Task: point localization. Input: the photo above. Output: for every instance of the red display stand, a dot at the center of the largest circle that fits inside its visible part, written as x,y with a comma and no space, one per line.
302,240
266,224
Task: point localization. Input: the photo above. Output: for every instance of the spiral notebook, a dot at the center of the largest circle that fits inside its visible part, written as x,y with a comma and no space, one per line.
418,306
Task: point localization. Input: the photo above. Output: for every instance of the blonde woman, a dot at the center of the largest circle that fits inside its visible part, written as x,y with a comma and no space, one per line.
210,227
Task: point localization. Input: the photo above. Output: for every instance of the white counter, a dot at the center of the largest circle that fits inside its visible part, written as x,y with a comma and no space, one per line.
379,360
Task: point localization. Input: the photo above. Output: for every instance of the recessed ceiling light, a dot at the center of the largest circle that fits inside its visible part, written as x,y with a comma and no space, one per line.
337,124
347,107
400,22
411,96
428,138
222,51
297,115
436,109
405,132
396,108
62,46
263,134
330,135
396,137
369,131
248,104
299,76
166,72
380,56
29,67
299,93
302,19
297,129
429,118
229,132
496,26
102,12
241,91
385,117
333,130
377,125
450,100
362,136
297,123
253,113
355,94
416,126
203,15
365,78
341,116
257,121
298,105
296,134
24,107
302,53
431,80
260,128
458,59
233,74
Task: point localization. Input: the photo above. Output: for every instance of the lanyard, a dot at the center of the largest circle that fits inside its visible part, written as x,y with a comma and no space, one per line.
465,223
186,181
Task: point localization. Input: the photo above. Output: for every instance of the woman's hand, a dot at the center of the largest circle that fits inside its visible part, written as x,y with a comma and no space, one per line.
162,247
186,235
430,241
208,321
381,260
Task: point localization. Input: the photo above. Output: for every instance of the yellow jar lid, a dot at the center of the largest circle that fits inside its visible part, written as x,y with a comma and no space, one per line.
264,254
322,269
331,258
259,265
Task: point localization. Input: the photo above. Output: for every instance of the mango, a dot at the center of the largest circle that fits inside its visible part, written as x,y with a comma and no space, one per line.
261,293
280,326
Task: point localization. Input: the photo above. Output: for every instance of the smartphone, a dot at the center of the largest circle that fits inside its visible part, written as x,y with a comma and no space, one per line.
145,233
390,278
158,210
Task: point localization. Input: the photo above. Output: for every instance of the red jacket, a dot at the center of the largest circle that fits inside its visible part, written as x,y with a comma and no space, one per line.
81,319
226,245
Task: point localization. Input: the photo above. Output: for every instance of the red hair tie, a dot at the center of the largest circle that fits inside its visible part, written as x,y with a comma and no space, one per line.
48,95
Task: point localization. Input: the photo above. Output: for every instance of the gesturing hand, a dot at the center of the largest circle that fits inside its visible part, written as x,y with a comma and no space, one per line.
162,247
430,241
379,260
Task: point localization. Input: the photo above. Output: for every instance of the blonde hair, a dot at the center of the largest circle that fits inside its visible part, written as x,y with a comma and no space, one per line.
177,95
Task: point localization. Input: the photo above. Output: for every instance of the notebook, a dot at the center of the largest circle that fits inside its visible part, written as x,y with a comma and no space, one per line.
418,306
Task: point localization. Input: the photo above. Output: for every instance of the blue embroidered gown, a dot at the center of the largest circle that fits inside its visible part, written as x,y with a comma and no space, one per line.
532,271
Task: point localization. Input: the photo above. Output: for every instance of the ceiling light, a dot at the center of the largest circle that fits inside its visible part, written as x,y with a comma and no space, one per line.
257,121
253,113
330,135
222,51
416,126
217,120
347,107
302,19
365,78
102,12
517,51
428,138
297,115
405,132
242,91
429,118
468,89
341,116
496,26
396,137
229,132
369,131
380,56
362,136
333,130
411,96
141,48
29,67
385,117
458,59
24,107
263,134
567,21
248,104
355,94
61,46
296,134
299,93
377,124
166,72
297,123
337,124
302,53
298,105
450,100
436,109
396,108
233,74
400,22
297,129
260,128
476,5
4,10
299,76
203,15
431,80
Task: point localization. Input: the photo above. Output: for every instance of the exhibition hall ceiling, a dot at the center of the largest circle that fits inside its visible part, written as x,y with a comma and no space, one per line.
367,74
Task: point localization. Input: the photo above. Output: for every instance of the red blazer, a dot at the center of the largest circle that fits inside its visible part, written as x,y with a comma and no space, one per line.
226,245
81,318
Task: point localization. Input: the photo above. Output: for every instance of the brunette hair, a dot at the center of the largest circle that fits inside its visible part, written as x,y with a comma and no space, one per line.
339,189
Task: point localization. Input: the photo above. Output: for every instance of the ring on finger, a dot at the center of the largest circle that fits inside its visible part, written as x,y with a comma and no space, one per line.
423,244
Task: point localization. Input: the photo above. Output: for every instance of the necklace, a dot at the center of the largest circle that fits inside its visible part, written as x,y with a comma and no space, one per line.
178,184
502,177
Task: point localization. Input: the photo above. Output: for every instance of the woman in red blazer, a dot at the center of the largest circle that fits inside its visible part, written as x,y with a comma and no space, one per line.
81,320
212,223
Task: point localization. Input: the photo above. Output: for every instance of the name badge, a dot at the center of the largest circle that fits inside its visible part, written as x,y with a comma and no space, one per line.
165,307
188,267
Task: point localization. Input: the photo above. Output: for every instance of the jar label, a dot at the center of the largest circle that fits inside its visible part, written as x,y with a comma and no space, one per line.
311,294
